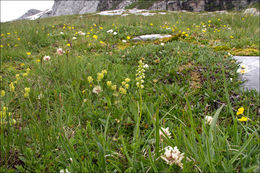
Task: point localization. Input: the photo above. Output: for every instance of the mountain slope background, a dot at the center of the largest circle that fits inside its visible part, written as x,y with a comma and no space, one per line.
67,7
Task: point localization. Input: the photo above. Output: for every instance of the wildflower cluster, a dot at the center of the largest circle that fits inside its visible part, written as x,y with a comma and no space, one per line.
124,86
173,156
166,131
140,74
240,112
3,116
26,92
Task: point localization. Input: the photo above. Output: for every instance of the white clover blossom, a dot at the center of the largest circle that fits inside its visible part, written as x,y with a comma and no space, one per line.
74,38
140,74
64,171
61,33
115,33
173,156
208,119
46,58
166,131
110,31
97,89
124,41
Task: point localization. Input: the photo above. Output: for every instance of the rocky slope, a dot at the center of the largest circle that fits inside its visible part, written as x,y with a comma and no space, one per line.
68,7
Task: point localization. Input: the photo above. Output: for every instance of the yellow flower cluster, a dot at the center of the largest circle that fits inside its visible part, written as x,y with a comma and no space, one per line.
241,111
124,86
26,92
140,74
3,114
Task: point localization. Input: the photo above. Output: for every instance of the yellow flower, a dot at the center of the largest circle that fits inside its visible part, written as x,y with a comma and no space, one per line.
1,46
101,42
123,83
28,53
126,86
240,111
127,80
128,37
68,44
90,79
26,95
27,90
151,24
231,37
8,33
28,70
113,87
100,76
104,71
101,27
209,21
18,38
243,119
17,76
11,87
109,83
95,37
38,60
25,74
122,90
2,93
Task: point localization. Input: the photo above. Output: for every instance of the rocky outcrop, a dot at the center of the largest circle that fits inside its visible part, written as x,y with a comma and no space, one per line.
29,13
68,7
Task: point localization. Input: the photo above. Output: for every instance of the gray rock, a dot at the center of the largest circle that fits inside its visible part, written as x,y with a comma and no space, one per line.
150,37
251,66
29,13
252,11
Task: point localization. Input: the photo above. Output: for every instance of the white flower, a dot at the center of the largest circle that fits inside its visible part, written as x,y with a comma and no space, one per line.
97,89
115,33
40,96
66,171
46,58
162,44
166,131
146,66
110,31
60,51
208,119
173,156
74,38
81,33
124,41
61,33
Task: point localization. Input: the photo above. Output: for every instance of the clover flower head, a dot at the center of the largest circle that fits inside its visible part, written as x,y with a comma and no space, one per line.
173,156
208,119
166,131
46,58
90,79
110,31
100,76
60,51
97,90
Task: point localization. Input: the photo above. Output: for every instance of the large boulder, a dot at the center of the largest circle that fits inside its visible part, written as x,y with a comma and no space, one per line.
252,11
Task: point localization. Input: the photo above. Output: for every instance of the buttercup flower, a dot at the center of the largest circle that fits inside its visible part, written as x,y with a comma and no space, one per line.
97,89
95,37
240,111
243,119
28,53
173,156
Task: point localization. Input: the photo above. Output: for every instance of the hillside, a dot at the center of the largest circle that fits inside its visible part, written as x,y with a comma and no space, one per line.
80,94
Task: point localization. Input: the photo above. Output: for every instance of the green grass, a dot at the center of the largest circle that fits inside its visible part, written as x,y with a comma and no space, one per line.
64,125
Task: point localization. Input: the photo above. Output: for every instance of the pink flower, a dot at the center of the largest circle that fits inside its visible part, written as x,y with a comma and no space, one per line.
46,58
60,51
